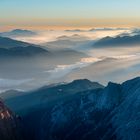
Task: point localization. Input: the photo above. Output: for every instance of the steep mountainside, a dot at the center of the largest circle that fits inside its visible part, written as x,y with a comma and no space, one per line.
10,43
81,110
12,48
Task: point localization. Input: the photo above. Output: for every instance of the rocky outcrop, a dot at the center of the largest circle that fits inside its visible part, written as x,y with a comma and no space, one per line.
9,124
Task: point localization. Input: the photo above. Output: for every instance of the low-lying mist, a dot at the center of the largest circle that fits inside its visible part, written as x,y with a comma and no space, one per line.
53,35
103,64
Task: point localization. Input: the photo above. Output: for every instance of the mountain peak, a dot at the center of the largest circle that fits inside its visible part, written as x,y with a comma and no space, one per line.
18,30
17,33
86,83
81,82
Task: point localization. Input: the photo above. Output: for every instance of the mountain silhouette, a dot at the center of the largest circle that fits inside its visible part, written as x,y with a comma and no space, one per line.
118,41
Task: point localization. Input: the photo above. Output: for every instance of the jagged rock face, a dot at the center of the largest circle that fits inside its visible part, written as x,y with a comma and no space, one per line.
83,117
126,118
110,113
8,124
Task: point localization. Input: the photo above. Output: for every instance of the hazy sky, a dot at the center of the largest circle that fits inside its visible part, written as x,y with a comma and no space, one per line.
69,13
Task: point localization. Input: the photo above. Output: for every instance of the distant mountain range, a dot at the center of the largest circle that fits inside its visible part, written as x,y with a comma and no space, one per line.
80,110
10,48
74,37
13,48
107,29
22,51
18,33
69,42
55,90
75,30
97,29
118,41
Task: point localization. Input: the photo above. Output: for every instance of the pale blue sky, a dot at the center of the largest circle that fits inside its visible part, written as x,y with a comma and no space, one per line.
41,12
